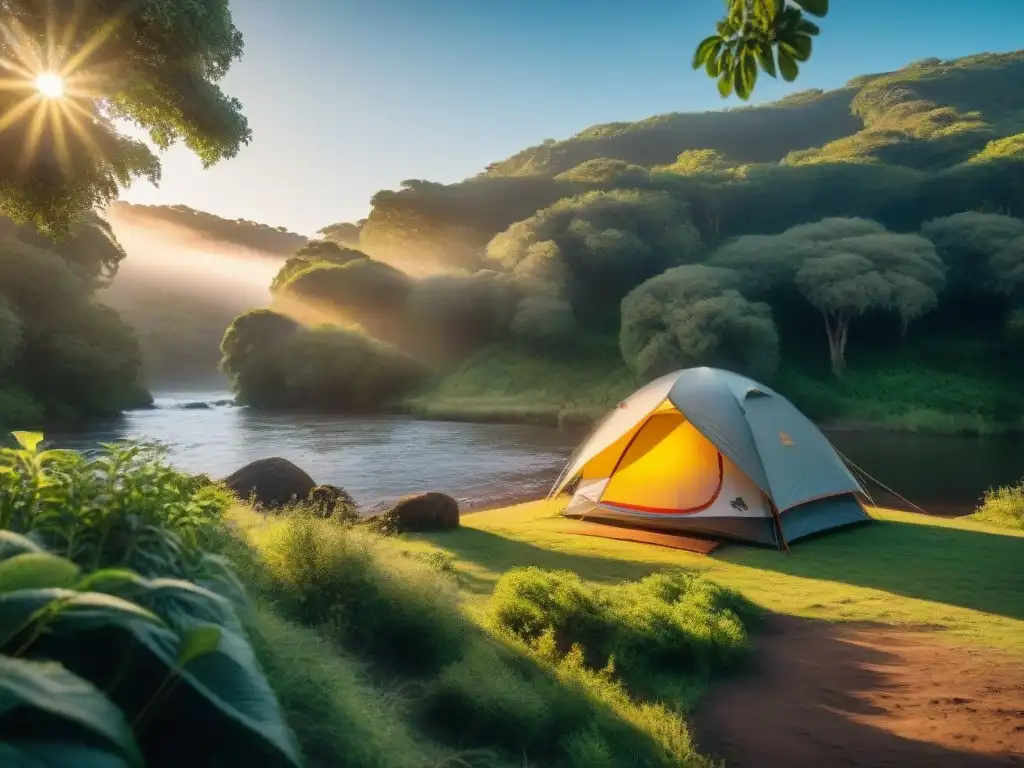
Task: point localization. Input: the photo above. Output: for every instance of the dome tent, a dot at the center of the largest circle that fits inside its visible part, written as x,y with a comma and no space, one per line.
711,452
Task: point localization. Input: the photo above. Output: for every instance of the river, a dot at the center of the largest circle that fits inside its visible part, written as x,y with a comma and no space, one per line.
382,458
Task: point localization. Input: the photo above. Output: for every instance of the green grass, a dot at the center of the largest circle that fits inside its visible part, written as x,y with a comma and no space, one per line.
503,383
347,617
959,577
1003,507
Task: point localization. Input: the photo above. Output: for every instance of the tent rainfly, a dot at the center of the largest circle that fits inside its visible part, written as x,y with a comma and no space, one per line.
711,452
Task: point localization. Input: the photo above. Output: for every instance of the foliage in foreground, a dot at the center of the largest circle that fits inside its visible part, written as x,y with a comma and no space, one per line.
93,654
121,506
1003,506
471,689
90,663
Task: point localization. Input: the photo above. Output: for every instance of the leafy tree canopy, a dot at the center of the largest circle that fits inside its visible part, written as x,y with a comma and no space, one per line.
599,244
693,315
156,63
978,249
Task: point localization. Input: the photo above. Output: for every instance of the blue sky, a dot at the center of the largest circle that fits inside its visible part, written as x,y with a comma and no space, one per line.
346,97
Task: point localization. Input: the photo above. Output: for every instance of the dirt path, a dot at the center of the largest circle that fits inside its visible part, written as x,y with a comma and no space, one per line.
824,695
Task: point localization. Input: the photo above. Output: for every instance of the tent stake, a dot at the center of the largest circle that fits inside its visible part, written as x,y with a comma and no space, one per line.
783,544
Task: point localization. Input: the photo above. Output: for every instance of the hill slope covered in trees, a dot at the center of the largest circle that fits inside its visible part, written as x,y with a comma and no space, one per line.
863,249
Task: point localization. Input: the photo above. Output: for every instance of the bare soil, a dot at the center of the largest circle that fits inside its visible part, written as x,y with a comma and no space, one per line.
821,694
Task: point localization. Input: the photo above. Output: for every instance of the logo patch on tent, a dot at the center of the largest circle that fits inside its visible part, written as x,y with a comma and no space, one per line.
785,439
738,504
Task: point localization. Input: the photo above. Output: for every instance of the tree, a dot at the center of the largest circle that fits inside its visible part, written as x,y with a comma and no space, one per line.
591,249
312,253
343,233
768,35
606,173
343,370
972,245
544,321
844,267
155,63
854,274
693,315
456,314
252,359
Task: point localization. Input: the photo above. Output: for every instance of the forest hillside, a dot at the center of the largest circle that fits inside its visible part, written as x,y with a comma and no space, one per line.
861,249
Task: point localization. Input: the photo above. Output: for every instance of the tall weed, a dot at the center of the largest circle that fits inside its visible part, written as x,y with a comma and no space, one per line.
400,611
1003,506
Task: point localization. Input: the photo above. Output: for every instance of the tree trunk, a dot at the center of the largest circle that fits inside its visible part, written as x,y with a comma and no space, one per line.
836,326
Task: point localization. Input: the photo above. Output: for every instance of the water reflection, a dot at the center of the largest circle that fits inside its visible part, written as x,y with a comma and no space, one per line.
381,458
376,458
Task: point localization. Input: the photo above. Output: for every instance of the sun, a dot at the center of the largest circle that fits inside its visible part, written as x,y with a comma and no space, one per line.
50,85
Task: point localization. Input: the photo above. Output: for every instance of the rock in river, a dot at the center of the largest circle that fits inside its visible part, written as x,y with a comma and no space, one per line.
274,482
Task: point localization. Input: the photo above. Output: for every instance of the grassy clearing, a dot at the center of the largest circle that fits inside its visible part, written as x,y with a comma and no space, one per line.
1003,507
597,677
960,577
503,383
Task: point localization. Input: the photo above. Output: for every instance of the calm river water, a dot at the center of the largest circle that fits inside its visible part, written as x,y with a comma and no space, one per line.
381,458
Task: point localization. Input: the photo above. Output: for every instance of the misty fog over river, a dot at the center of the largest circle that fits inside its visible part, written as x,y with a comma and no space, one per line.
380,458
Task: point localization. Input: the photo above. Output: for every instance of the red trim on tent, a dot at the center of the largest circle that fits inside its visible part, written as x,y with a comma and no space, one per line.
666,511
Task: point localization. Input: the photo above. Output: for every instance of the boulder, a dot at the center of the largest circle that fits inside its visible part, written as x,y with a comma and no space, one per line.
332,501
274,482
195,406
426,512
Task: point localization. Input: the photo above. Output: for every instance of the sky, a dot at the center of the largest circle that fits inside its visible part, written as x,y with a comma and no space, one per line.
347,97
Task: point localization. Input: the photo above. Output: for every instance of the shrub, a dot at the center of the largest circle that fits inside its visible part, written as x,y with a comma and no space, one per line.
666,624
1003,507
88,664
122,505
332,502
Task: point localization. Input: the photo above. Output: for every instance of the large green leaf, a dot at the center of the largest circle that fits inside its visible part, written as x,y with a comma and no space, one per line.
19,610
725,84
198,641
36,570
12,544
48,754
28,440
704,49
766,56
817,8
222,691
787,66
49,688
799,47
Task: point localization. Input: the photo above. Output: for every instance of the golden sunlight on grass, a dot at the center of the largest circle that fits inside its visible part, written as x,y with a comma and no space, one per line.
50,85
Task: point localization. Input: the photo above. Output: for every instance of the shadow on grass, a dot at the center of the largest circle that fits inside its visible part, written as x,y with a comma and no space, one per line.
497,554
971,569
827,695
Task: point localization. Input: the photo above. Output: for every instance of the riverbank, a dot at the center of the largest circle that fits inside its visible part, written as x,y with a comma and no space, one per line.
502,384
